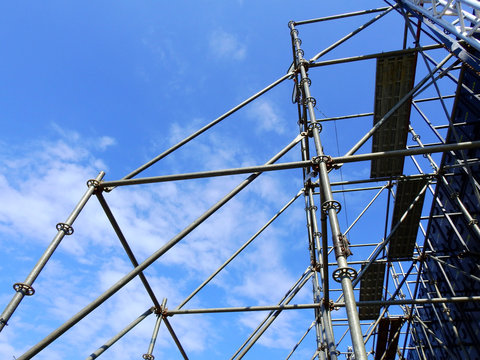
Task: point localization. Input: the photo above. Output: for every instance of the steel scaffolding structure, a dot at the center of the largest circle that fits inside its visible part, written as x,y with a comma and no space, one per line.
397,285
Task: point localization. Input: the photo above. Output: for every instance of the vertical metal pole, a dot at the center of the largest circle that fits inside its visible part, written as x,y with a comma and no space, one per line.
327,325
25,288
149,354
343,272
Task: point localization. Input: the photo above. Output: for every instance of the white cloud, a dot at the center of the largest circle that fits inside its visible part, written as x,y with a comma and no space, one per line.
267,116
41,185
225,45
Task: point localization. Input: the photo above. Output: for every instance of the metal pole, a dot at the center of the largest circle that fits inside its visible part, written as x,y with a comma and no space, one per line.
25,288
305,276
149,354
340,16
374,56
117,337
127,248
205,174
206,127
270,321
405,152
343,273
348,36
327,326
150,260
175,338
286,306
202,285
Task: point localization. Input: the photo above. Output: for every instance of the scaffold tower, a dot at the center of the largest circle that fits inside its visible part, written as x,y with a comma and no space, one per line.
401,280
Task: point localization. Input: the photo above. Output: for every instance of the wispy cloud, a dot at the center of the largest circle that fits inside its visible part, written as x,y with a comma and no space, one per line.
41,185
226,45
267,116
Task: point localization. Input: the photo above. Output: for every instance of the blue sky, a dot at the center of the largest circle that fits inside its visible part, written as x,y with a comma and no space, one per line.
107,86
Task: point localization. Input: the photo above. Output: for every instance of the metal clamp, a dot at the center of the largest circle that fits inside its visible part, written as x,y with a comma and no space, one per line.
299,52
93,183
312,126
322,158
66,228
343,248
342,272
148,357
331,204
473,222
294,31
311,100
298,41
25,288
415,137
309,208
305,80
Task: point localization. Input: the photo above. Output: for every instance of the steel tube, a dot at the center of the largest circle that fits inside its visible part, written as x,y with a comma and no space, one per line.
324,181
202,285
273,316
453,299
117,337
302,280
156,328
22,292
345,117
406,152
126,247
205,174
206,127
374,56
152,258
339,16
348,36
175,338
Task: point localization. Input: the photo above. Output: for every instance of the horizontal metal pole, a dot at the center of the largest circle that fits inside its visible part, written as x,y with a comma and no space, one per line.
312,306
204,174
346,117
434,98
339,16
291,165
406,152
374,56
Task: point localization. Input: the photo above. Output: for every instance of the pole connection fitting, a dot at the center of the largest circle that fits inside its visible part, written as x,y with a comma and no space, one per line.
96,185
66,228
473,222
342,246
343,272
26,289
309,99
161,311
331,204
310,208
148,357
323,158
329,305
306,80
312,126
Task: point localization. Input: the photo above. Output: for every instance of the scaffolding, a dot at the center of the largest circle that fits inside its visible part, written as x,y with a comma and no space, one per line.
408,281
